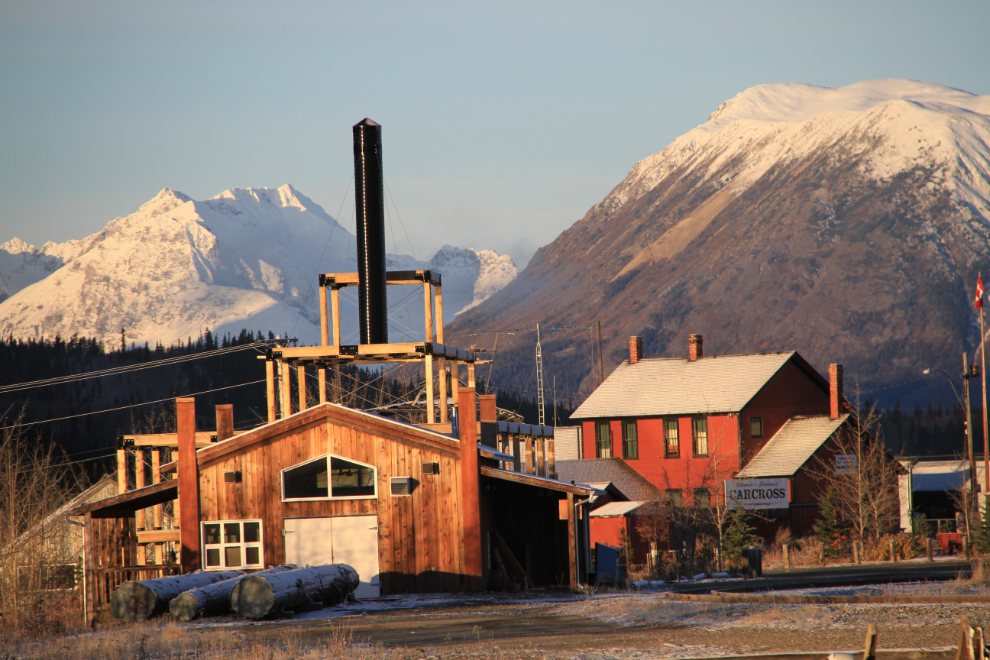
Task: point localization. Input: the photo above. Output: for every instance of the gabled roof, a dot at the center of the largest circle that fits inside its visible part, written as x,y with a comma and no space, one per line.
791,446
677,386
616,471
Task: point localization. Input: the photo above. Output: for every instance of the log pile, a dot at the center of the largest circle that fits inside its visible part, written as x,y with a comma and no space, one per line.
262,596
137,601
212,599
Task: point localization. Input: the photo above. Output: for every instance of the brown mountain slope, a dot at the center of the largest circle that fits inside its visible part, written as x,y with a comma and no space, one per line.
791,240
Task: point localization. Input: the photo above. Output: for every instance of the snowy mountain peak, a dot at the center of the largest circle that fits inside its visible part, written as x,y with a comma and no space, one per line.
163,202
17,246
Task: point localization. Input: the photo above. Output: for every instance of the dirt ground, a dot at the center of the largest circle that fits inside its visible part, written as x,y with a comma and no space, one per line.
632,625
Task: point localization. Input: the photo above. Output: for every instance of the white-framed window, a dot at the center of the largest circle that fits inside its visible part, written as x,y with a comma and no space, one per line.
232,544
329,477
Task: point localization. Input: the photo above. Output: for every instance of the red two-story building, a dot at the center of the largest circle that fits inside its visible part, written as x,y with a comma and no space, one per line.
689,424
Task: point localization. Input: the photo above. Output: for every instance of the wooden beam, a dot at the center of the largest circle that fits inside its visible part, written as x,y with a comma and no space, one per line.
225,421
442,374
571,541
530,456
321,372
203,438
159,536
470,370
516,454
335,309
301,384
156,477
185,422
470,489
430,412
551,459
530,480
541,466
270,389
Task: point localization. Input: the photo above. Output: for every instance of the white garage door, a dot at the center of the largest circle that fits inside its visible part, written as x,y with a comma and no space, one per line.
351,540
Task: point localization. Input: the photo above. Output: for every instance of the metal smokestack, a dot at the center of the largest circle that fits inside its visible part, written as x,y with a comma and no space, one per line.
369,198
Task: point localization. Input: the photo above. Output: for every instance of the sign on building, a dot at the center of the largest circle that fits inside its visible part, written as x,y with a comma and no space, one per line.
846,463
754,494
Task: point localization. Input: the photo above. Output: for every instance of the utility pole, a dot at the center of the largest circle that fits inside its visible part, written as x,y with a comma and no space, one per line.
601,360
969,371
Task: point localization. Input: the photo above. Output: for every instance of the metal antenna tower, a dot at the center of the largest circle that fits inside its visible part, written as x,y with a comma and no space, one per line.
539,373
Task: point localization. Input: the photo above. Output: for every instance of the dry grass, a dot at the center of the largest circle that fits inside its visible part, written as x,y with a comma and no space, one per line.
167,640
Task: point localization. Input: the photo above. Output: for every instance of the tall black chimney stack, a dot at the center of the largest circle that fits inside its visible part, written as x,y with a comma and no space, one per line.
369,198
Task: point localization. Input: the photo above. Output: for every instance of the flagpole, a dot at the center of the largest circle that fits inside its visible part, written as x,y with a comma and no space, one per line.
986,441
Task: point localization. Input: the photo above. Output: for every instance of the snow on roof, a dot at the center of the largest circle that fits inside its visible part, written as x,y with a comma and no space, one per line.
791,447
677,386
615,509
929,476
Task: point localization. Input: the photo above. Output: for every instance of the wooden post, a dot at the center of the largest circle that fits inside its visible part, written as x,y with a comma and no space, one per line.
156,477
530,456
321,372
870,647
285,388
470,489
428,311
301,380
188,468
89,575
787,557
516,455
571,542
541,466
442,374
225,421
270,391
551,459
430,412
121,471
139,482
439,304
335,308
324,322
470,369
963,651
893,555
965,546
855,550
928,549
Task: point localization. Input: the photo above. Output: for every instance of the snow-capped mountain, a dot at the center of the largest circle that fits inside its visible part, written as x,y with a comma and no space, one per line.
243,259
847,223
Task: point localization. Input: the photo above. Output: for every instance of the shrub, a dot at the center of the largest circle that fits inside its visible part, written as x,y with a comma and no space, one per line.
828,528
739,535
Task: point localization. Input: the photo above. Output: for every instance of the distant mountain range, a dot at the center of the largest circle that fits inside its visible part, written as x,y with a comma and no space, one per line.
243,259
846,223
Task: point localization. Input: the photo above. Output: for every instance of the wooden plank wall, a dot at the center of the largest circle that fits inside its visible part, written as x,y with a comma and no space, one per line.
419,536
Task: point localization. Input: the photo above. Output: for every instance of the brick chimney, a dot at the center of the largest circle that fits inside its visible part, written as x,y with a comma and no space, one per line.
835,390
635,349
695,347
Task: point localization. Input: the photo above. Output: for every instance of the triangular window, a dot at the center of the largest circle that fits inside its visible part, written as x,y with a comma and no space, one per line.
329,477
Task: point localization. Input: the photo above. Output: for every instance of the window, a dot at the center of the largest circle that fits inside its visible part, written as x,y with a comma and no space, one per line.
347,480
630,440
603,440
702,498
699,433
756,427
673,496
672,445
232,544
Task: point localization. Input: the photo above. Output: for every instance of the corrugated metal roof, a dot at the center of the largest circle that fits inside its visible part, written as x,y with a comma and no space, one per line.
615,509
676,386
791,447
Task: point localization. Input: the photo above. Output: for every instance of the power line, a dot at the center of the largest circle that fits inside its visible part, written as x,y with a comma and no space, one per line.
102,373
133,405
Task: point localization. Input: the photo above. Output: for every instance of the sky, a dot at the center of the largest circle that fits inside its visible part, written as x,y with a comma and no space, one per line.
502,123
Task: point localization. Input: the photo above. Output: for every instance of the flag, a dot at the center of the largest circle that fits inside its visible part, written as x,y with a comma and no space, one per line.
978,303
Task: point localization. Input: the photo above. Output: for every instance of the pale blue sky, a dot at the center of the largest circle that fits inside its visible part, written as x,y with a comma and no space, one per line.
502,122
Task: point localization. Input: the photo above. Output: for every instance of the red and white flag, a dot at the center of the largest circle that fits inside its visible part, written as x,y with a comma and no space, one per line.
978,303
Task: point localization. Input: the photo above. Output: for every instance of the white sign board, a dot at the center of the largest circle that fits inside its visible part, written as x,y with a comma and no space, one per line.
754,494
846,463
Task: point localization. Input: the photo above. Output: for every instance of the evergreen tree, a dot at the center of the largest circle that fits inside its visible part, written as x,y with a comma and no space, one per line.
828,526
982,540
739,535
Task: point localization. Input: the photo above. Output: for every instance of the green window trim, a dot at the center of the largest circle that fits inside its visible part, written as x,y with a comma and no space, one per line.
671,439
630,440
699,436
603,440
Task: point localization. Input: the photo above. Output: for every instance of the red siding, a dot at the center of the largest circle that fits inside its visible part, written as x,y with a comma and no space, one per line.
789,393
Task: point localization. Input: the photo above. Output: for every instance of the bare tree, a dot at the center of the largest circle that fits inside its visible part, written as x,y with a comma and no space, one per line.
863,474
35,542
